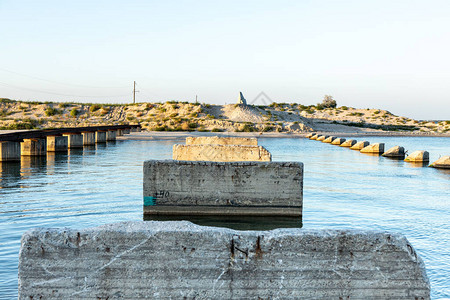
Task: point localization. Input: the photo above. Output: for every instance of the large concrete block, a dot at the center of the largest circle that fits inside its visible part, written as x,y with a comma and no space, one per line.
218,188
180,260
88,138
221,153
57,143
395,152
360,145
418,156
111,135
338,141
33,147
329,139
9,151
443,163
348,143
211,140
314,136
377,148
322,137
74,140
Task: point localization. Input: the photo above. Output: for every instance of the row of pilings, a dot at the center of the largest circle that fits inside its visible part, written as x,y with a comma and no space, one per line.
396,152
37,143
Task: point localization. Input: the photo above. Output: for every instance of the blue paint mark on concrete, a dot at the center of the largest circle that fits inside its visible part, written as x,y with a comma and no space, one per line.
149,201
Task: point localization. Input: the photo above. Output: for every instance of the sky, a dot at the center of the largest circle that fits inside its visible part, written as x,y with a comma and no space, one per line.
388,54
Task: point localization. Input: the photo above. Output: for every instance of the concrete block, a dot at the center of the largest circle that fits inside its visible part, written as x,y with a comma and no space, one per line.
338,141
329,139
88,138
119,132
111,135
443,163
395,152
126,131
418,156
74,140
359,145
377,148
309,135
223,188
220,153
215,140
57,143
33,147
180,260
100,136
314,136
348,143
322,137
9,151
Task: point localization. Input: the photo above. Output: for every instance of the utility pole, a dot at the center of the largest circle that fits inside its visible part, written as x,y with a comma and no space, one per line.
134,92
196,99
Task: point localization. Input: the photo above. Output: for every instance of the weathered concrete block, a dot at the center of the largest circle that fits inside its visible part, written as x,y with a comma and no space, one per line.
111,135
338,141
443,163
309,135
314,136
376,148
88,138
329,139
33,147
322,137
348,143
220,153
100,136
180,260
74,140
359,145
418,156
9,151
395,152
223,188
57,143
215,140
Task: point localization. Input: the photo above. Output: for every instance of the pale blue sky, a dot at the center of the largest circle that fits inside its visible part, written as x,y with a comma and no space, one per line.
367,54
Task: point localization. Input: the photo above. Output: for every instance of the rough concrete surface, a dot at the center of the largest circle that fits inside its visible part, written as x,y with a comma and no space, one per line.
418,156
9,151
33,147
180,260
338,141
223,188
211,140
329,139
349,143
74,140
443,162
395,152
359,145
221,153
57,143
377,148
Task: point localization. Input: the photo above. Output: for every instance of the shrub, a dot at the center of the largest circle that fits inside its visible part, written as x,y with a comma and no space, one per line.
267,128
328,102
74,112
216,130
95,107
50,111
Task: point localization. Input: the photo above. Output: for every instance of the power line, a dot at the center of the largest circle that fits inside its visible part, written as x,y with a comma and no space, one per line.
62,83
59,94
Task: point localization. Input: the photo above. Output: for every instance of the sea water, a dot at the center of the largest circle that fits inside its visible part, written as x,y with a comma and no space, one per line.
343,189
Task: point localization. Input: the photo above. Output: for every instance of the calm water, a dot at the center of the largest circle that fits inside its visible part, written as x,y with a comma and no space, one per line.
342,189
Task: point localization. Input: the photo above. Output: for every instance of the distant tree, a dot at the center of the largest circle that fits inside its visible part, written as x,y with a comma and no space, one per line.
328,102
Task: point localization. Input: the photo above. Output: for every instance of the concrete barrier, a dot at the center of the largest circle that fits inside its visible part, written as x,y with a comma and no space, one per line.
100,136
322,137
314,136
220,153
329,139
348,143
215,140
180,260
395,152
377,148
111,135
418,156
309,135
57,143
223,188
338,141
74,140
443,163
88,138
33,147
359,145
9,151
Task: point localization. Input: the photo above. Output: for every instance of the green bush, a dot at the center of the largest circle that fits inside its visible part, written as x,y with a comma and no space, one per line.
95,107
216,130
50,111
74,112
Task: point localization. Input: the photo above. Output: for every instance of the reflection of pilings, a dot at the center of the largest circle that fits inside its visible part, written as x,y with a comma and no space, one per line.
88,138
31,164
57,143
33,147
9,151
9,170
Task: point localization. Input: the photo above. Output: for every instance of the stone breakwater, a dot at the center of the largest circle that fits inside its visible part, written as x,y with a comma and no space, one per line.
223,188
181,260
